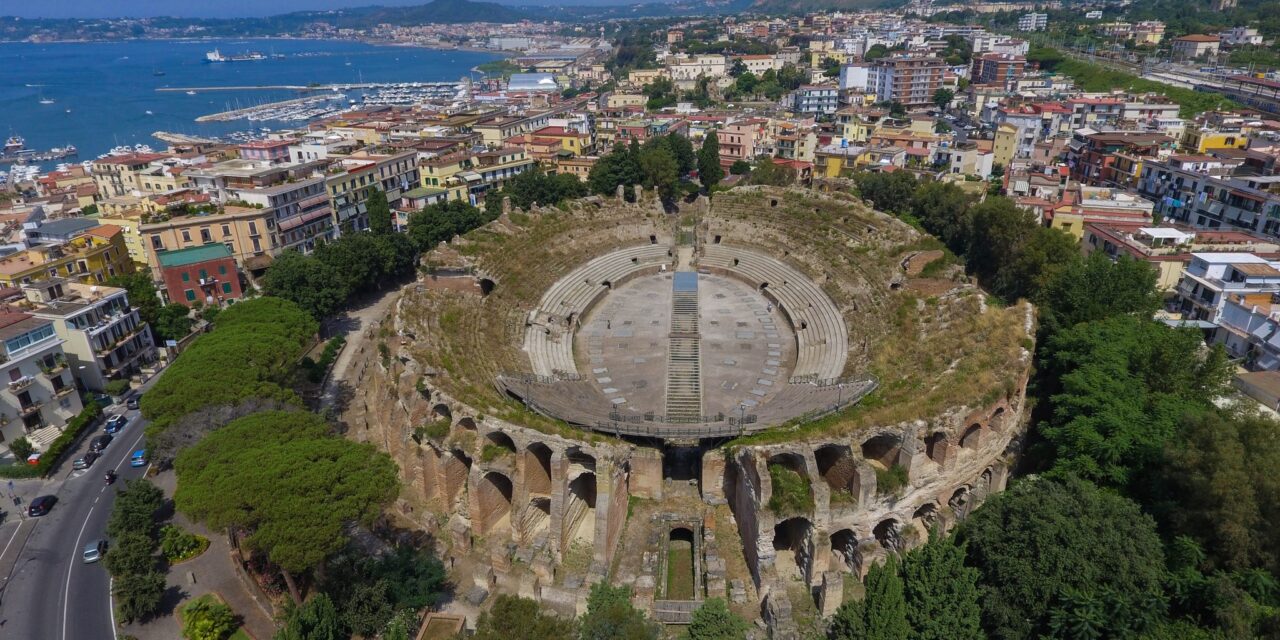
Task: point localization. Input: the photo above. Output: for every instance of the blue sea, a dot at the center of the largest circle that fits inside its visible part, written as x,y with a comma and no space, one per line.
102,92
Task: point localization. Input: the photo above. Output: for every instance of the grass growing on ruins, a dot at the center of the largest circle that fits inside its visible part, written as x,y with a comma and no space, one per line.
791,492
892,480
679,570
491,452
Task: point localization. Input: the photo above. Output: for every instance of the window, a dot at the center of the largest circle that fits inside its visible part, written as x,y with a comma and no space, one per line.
186,236
222,269
253,228
186,277
226,230
156,243
204,275
205,236
226,288
191,295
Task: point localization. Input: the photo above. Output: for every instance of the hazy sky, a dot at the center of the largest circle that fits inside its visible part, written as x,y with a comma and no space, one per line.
195,8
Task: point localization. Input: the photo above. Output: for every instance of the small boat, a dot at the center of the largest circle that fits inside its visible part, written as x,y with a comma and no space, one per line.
191,93
68,109
46,100
157,72
149,112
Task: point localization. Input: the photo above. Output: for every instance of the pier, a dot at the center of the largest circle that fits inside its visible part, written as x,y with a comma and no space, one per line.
341,86
236,114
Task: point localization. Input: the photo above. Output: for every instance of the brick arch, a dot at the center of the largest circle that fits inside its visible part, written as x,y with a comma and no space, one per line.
580,508
972,437
537,469
882,449
844,547
793,542
494,499
937,447
888,533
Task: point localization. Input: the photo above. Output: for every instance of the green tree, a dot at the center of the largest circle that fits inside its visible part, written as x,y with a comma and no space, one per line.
21,448
768,172
610,616
138,595
207,619
888,192
659,170
134,511
740,168
1097,288
709,170
380,219
1122,384
943,209
682,150
943,97
131,553
875,52
315,619
941,592
368,609
141,290
286,481
1043,542
881,614
306,282
442,221
514,618
173,322
714,621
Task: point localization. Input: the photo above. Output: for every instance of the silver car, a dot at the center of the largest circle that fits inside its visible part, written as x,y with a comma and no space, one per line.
94,551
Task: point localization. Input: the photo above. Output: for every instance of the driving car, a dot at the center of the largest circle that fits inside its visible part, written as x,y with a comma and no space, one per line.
132,403
139,458
99,443
94,551
85,461
116,423
41,505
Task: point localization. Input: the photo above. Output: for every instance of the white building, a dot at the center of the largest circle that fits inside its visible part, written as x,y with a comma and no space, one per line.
40,395
855,77
103,337
1033,22
1241,36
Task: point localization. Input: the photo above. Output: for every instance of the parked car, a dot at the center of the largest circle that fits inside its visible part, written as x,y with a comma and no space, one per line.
94,551
99,443
85,461
41,505
139,458
116,423
132,403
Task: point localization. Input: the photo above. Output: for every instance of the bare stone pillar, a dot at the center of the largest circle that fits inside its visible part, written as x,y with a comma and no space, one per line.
866,484
559,489
713,465
621,193
506,205
646,474
830,594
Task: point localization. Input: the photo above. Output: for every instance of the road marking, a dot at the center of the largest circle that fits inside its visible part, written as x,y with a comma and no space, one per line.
12,538
66,593
111,606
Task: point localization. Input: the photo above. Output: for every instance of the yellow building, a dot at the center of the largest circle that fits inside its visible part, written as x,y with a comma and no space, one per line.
137,174
249,232
441,172
1006,144
834,161
130,223
575,142
92,257
1200,141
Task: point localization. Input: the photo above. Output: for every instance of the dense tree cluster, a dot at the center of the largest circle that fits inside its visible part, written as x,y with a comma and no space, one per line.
659,164
251,353
771,85
609,616
138,583
287,484
338,271
168,322
530,188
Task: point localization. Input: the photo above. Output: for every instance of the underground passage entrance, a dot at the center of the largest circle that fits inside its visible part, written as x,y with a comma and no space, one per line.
680,565
682,464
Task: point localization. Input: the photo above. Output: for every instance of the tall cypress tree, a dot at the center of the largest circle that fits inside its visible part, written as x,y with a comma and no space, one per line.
709,170
882,613
379,212
941,592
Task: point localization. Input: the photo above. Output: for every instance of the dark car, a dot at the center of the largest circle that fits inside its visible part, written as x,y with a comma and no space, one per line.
86,461
115,423
40,506
99,443
132,403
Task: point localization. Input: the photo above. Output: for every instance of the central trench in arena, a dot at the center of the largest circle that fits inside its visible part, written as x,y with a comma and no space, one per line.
683,344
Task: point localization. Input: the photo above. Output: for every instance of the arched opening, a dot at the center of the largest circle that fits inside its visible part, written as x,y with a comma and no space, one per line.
959,502
936,447
925,516
536,518
653,239
894,286
467,423
997,419
497,445
580,510
793,544
883,449
889,534
456,468
716,239
789,482
763,286
735,262
537,469
680,565
569,319
803,325
495,503
635,261
486,286
837,467
607,284
580,460
972,437
442,411
773,203
844,547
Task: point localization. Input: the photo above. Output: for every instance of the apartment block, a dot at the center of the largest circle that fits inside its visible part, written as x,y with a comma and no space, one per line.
909,80
40,393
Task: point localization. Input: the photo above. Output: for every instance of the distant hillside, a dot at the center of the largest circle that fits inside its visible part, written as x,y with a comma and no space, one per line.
794,7
447,12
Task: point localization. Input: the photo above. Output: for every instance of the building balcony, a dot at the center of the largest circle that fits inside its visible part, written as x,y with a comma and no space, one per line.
21,383
64,391
31,408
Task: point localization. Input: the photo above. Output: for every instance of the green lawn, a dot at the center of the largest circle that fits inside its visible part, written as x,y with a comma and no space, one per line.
679,570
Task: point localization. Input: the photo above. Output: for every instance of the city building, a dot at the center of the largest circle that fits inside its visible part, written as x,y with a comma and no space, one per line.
909,80
93,256
352,179
103,337
815,100
1212,278
40,395
1195,46
249,233
206,274
1033,22
997,69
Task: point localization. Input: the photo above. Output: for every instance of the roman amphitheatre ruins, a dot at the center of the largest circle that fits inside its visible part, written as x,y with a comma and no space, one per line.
755,398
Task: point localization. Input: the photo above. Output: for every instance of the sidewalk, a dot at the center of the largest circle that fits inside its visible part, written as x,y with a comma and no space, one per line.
213,572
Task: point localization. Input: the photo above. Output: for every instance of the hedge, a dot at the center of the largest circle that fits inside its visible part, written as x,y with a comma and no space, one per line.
59,446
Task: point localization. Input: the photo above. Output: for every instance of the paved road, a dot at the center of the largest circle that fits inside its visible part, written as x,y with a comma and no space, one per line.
48,592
